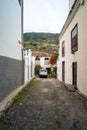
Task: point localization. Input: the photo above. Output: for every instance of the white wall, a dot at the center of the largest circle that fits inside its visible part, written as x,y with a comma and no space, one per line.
33,66
10,28
81,55
29,65
58,69
42,61
26,68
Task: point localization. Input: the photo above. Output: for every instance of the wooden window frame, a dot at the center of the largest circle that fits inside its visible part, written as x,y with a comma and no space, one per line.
63,48
63,71
74,39
74,74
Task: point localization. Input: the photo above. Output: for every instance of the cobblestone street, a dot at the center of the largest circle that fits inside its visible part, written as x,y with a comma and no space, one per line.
48,105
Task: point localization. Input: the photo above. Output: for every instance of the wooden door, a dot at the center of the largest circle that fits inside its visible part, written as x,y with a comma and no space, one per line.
74,74
63,71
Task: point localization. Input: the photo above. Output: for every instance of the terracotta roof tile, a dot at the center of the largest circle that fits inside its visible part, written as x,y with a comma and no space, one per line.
40,54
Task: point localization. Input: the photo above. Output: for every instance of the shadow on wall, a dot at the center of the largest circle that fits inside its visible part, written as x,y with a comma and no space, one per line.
10,75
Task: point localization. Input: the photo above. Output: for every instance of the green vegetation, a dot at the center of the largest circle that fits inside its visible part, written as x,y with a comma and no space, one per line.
45,42
41,37
53,73
23,93
37,68
53,59
6,115
2,120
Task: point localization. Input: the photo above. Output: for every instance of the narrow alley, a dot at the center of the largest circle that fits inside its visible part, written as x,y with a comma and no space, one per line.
48,105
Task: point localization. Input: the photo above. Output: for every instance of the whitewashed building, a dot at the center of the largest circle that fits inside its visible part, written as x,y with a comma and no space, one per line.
42,59
29,65
11,62
72,64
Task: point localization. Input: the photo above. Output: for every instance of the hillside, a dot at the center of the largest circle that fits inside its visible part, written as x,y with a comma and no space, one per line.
45,42
41,37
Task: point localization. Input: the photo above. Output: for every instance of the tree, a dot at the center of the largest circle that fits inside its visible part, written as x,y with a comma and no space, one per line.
37,68
53,59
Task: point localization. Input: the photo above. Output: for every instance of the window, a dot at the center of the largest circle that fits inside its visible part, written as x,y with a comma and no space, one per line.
37,58
46,58
74,39
74,74
63,48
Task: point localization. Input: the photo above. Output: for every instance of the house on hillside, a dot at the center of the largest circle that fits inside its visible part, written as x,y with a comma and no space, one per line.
11,62
72,64
42,59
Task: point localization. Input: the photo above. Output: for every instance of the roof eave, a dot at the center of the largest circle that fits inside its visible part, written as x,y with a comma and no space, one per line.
20,2
70,17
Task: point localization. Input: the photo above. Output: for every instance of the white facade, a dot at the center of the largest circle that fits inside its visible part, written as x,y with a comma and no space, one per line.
80,56
11,63
44,62
29,65
10,29
58,69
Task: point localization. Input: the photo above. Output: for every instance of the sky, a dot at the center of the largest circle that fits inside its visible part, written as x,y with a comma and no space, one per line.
45,15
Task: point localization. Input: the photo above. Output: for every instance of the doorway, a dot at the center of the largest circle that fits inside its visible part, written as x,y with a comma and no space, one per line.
63,71
74,74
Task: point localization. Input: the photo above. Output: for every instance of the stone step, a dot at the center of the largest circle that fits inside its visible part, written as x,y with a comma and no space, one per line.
70,87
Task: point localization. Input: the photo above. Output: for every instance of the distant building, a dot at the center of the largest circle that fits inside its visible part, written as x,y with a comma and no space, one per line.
72,64
42,59
11,63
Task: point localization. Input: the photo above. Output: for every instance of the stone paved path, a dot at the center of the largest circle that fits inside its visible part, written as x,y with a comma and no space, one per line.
47,106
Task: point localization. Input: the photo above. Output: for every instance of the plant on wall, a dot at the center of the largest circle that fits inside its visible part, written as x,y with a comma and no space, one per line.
53,59
37,68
